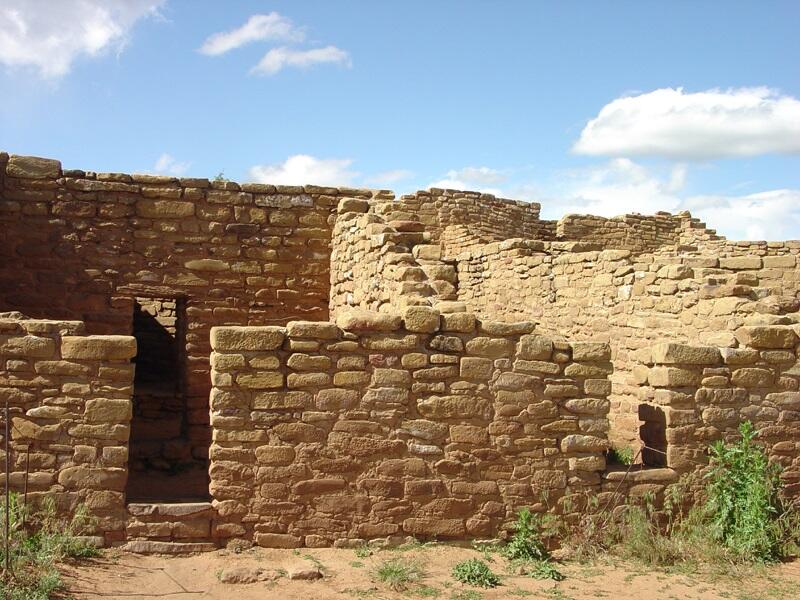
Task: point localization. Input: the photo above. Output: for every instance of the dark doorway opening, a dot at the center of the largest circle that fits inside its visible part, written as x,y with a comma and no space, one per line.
162,466
653,433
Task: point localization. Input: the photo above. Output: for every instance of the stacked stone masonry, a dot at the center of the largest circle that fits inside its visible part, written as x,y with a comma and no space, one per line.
321,366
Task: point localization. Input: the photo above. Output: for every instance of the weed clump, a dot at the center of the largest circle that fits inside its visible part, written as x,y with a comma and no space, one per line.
399,573
38,540
475,572
744,505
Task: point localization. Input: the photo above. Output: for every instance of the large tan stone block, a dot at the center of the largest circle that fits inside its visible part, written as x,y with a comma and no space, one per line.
312,329
33,167
98,347
421,319
767,336
535,347
106,410
28,346
364,320
671,353
490,347
164,209
247,339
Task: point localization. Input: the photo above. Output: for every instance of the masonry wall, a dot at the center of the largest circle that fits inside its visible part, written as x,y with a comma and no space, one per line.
83,245
695,395
436,426
462,220
69,396
631,301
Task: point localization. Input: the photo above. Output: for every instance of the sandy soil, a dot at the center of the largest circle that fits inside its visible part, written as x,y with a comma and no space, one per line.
346,575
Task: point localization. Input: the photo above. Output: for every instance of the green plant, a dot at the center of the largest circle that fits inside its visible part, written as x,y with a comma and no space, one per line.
743,498
220,177
466,595
526,543
475,572
544,569
621,456
363,551
38,541
399,573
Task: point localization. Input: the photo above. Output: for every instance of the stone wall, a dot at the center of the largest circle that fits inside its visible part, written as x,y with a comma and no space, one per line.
462,220
437,426
695,395
634,232
631,301
83,245
70,400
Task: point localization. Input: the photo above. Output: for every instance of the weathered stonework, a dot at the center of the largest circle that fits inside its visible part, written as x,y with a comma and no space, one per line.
322,366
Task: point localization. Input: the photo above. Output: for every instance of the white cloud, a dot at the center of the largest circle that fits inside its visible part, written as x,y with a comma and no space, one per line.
695,126
389,177
279,58
301,169
772,215
622,186
618,187
479,179
167,165
49,36
272,26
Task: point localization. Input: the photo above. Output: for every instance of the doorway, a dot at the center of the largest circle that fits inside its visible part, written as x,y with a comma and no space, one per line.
161,465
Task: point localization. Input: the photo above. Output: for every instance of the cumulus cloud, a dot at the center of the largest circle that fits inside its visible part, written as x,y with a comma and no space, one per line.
772,215
269,27
303,169
479,179
49,36
622,186
278,59
167,165
679,125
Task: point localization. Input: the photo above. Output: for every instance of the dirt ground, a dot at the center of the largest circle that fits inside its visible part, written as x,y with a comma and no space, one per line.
348,575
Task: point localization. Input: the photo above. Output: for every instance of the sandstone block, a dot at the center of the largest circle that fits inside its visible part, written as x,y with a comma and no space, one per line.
453,407
499,328
583,443
421,319
33,167
737,263
98,347
363,320
535,347
304,362
277,540
476,369
164,209
74,478
767,336
752,377
260,380
207,264
247,339
312,329
28,346
105,410
490,347
461,322
674,377
590,351
670,353
438,528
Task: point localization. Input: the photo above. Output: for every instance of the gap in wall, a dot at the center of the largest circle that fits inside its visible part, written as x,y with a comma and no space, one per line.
162,466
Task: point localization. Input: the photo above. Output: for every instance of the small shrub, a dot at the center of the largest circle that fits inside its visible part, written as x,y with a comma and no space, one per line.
621,456
475,572
544,569
526,543
363,551
743,498
399,573
38,541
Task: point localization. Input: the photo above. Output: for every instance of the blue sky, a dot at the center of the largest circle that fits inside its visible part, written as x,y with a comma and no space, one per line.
601,107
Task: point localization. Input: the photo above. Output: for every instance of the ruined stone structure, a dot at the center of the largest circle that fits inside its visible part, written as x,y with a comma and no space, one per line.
198,361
